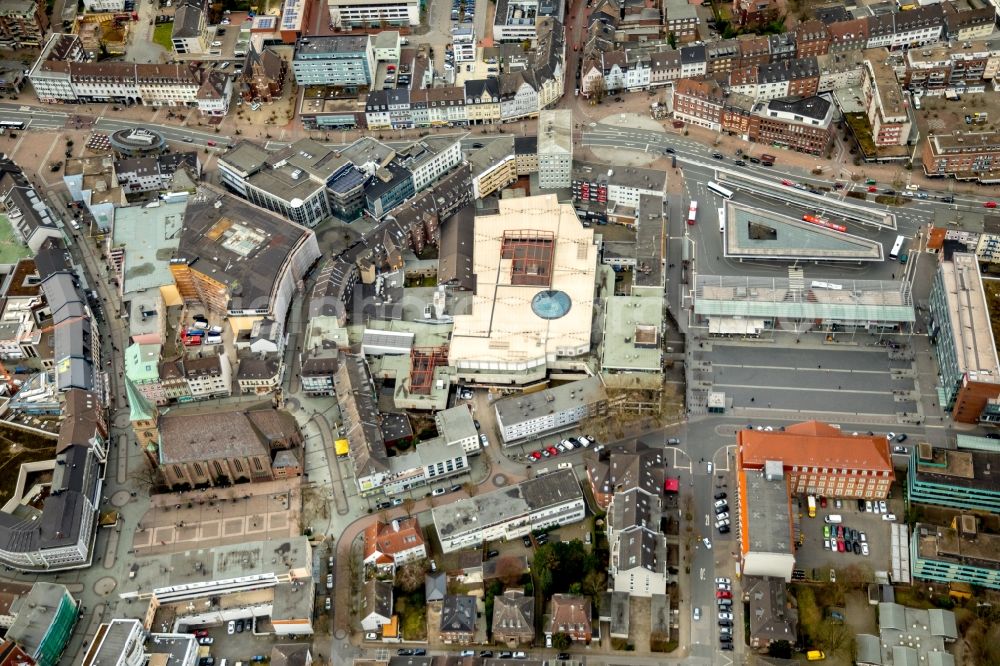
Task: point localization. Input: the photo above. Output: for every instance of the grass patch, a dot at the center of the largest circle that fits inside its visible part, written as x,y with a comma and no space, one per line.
662,646
862,132
162,35
890,200
412,613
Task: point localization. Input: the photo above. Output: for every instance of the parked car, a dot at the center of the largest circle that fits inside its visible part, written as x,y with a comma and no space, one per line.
889,517
696,613
725,615
231,629
883,507
206,640
723,594
240,625
727,581
721,495
437,492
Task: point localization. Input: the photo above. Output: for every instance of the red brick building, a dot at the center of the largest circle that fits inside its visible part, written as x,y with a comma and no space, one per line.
819,459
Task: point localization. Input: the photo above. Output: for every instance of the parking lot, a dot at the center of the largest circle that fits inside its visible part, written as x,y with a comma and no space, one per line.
852,381
813,555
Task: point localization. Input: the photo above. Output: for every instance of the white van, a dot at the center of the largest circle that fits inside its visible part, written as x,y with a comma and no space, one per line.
834,519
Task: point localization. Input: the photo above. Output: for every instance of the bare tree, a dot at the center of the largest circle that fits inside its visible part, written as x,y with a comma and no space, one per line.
408,505
470,488
598,89
410,577
509,571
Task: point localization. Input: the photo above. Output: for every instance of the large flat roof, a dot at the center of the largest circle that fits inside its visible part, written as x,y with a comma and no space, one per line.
218,563
527,406
239,245
975,348
766,521
503,326
505,504
150,236
632,333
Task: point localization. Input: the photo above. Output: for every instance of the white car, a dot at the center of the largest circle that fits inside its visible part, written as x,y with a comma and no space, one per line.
231,628
721,503
868,506
721,523
890,435
889,517
724,586
586,441
862,537
696,613
883,507
719,581
725,616
568,444
483,440
864,549
708,544
722,516
826,544
710,468
833,545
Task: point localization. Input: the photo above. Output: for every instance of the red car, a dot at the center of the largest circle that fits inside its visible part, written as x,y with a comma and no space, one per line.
536,455
840,545
553,451
872,188
822,502
723,594
201,633
786,182
990,204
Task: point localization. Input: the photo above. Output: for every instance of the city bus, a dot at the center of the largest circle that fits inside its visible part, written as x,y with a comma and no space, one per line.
722,220
720,190
12,124
692,212
897,247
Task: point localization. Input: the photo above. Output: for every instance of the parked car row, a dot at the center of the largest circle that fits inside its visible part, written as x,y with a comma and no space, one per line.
841,539
564,446
722,521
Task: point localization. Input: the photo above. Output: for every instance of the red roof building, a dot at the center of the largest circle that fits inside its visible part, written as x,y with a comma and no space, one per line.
388,545
821,460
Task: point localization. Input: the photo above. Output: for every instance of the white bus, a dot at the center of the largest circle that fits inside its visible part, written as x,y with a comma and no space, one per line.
693,212
720,190
722,220
897,247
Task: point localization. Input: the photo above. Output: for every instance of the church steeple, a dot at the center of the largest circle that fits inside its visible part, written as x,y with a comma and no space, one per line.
144,415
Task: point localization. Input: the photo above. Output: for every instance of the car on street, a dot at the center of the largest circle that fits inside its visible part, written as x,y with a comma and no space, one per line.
696,613
901,437
722,516
483,440
724,586
889,517
724,529
872,188
398,501
826,531
990,204
723,594
231,629
725,615
201,632
563,656
455,488
840,545
708,544
948,199
718,156
490,554
719,524
329,581
383,505
673,441
535,455
721,496
720,503
553,451
437,492
868,506
206,640
882,507
486,654
560,447
727,581
740,163
669,151
404,652
526,540
546,453
567,444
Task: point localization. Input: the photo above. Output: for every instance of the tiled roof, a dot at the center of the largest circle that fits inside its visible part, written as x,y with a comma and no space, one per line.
814,444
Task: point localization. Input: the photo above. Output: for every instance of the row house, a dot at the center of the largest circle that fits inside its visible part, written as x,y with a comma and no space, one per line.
969,24
482,101
638,73
131,83
693,61
962,155
940,67
664,68
839,70
518,96
811,39
846,36
781,47
755,12
722,56
804,124
754,50
736,115
797,78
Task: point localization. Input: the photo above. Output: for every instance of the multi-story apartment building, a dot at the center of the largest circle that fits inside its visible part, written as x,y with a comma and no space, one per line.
959,553
681,20
555,149
963,155
131,83
861,469
209,376
885,107
337,60
546,501
349,14
482,101
811,39
699,103
22,24
44,624
494,167
803,124
638,562
959,328
189,34
530,415
839,70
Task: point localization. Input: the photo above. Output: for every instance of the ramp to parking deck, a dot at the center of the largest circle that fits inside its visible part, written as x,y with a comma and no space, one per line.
756,233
